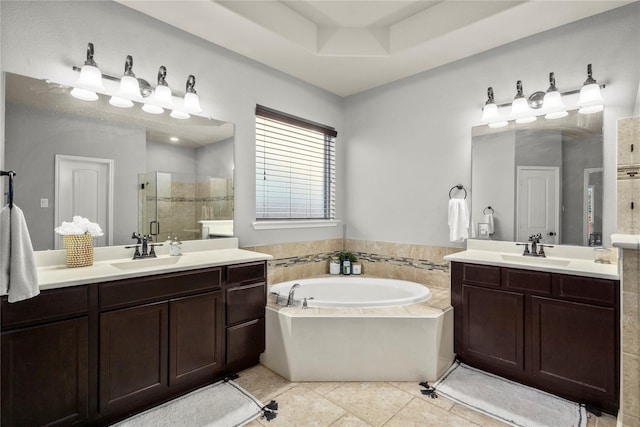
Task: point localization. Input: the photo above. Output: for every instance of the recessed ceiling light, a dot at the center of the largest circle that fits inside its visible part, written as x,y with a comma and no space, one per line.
174,139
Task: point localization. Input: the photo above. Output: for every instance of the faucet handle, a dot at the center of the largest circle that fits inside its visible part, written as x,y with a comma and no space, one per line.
541,251
136,254
526,248
152,251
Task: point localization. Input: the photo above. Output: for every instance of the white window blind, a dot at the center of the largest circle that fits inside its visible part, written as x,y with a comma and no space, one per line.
295,168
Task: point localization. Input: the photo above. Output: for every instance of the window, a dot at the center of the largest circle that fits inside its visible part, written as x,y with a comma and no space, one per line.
295,168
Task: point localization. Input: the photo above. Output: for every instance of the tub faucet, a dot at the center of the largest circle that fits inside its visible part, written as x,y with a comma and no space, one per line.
291,291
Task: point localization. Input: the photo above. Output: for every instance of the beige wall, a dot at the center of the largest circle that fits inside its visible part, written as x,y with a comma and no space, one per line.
629,223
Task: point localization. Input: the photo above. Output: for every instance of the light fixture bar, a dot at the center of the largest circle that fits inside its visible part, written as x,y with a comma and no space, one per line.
563,93
116,79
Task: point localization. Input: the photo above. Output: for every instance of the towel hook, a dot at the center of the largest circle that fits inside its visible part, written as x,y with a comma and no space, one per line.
10,174
459,187
484,211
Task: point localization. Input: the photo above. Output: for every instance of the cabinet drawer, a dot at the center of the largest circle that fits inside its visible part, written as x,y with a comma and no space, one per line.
481,274
245,303
245,341
50,305
526,280
155,288
586,289
246,273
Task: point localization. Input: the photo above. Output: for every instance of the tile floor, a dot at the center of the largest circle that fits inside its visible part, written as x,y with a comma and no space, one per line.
355,404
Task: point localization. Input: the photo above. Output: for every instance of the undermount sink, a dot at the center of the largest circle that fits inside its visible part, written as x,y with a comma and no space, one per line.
145,263
535,260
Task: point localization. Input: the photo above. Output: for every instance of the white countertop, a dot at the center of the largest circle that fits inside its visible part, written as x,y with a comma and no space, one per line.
626,241
53,273
573,260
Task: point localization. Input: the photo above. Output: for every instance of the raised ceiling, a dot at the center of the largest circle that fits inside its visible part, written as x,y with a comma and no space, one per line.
347,47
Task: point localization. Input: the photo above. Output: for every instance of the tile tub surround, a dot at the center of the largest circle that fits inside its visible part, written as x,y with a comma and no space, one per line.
416,263
628,224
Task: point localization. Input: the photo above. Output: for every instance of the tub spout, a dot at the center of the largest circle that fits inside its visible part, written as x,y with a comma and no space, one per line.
291,292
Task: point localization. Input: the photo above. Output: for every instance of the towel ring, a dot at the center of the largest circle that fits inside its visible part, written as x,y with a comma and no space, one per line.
459,187
484,211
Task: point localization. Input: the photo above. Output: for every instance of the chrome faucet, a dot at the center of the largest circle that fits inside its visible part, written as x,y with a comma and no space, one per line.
291,291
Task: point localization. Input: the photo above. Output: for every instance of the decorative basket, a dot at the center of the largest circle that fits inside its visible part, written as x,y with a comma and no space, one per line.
79,249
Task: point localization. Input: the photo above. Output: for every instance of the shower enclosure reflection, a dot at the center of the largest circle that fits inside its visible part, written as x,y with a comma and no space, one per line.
184,206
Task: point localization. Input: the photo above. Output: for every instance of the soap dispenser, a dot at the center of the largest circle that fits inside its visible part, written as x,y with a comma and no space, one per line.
174,247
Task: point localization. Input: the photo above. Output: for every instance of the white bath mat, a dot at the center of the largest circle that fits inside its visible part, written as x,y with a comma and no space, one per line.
508,401
223,404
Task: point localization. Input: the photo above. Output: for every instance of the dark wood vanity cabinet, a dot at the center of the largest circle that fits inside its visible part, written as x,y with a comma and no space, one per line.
556,332
93,354
45,359
159,336
246,298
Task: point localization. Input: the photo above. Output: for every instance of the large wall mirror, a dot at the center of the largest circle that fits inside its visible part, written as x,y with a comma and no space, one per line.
542,177
125,169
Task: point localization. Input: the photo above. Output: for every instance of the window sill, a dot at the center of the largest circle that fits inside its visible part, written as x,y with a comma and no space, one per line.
282,224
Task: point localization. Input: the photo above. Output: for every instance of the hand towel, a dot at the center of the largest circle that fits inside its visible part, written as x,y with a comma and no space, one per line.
488,218
18,270
458,220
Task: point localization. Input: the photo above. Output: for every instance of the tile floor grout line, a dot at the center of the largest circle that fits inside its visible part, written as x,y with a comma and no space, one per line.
397,412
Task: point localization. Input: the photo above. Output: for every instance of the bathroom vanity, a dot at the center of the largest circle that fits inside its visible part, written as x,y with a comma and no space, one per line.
549,323
97,352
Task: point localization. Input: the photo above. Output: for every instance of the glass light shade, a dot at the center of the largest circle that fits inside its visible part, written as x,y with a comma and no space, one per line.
192,103
591,100
162,96
90,78
499,124
489,113
180,115
129,90
152,109
553,105
84,94
88,83
491,116
117,101
521,111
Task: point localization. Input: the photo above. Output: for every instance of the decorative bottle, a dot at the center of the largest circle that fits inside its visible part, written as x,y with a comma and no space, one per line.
346,267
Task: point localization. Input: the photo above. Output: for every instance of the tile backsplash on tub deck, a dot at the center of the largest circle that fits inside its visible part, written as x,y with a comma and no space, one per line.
417,263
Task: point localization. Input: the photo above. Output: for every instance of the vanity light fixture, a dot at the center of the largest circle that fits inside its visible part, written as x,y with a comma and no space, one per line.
490,114
520,109
590,100
161,95
90,79
129,87
552,104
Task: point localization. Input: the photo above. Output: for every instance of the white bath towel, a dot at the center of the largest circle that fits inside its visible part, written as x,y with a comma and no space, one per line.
18,270
488,218
458,220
